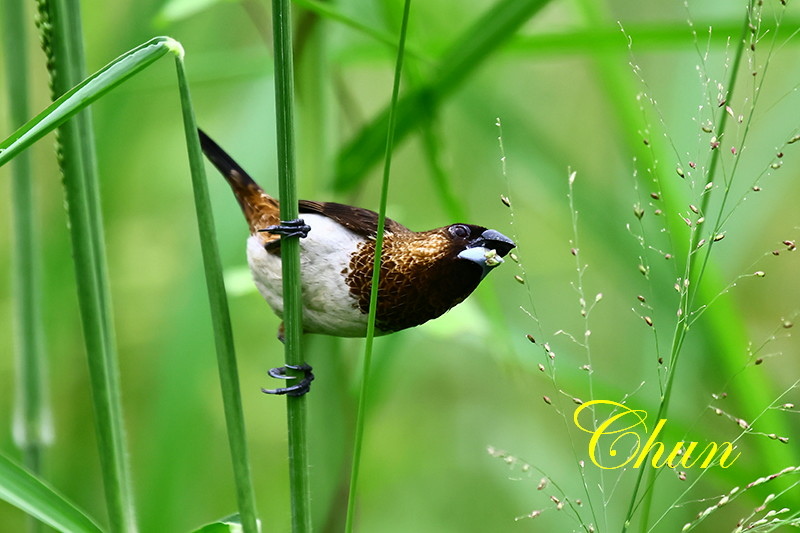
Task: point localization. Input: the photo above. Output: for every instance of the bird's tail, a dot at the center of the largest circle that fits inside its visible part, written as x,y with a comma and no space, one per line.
234,174
260,209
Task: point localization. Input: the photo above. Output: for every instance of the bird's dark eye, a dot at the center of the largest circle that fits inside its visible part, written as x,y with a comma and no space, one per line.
460,231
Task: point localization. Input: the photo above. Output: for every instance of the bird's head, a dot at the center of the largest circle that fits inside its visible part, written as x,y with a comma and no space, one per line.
483,247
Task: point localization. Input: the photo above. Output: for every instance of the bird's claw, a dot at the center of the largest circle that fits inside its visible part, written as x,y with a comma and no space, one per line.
297,389
290,228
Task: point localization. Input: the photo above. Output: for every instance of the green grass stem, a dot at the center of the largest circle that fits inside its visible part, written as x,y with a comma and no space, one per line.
32,414
62,38
290,258
376,271
220,313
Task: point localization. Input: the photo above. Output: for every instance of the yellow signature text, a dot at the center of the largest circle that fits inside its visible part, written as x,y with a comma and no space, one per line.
625,429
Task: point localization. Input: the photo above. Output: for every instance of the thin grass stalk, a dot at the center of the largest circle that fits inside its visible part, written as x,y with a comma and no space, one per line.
376,271
220,313
488,300
60,20
290,260
31,411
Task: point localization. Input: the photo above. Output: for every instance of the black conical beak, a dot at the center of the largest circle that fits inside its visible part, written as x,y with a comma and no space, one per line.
494,240
488,250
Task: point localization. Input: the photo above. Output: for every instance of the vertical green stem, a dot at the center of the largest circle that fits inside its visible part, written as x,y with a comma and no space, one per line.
60,26
220,314
290,258
31,409
376,270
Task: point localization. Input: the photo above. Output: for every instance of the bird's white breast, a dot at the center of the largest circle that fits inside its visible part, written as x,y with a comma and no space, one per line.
325,254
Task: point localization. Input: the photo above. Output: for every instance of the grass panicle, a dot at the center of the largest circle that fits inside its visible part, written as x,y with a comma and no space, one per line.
691,252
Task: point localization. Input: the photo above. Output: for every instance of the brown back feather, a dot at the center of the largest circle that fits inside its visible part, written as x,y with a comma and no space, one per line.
360,221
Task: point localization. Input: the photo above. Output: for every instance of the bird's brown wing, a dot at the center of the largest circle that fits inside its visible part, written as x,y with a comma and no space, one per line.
360,221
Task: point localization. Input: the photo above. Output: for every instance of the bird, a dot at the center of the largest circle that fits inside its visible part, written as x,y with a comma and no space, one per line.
423,274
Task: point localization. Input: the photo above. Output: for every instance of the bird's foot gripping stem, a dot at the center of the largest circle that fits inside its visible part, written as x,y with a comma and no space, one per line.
297,389
290,228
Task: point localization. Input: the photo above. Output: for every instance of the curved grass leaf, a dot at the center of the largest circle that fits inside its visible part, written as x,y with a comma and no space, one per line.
23,490
230,524
86,92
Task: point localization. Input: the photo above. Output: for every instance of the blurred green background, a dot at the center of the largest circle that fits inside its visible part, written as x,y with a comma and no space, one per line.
565,90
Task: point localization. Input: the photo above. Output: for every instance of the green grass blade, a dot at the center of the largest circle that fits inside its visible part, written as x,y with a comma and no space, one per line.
492,29
83,94
647,37
220,314
290,259
21,489
376,270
